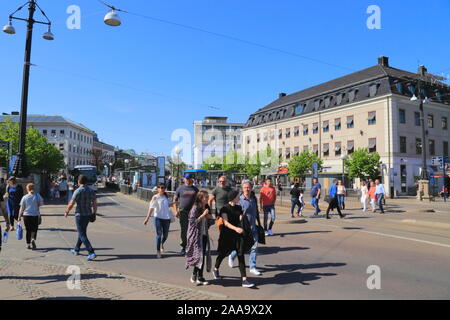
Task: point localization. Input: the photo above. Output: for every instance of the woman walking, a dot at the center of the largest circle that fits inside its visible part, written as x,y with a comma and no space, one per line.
235,235
364,195
295,199
198,250
15,194
372,196
341,195
29,209
160,209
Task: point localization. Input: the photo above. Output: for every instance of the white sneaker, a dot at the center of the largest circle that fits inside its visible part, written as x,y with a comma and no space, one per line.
255,271
230,262
270,233
266,233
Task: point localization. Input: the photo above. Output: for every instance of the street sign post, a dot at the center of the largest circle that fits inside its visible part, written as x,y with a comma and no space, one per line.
315,167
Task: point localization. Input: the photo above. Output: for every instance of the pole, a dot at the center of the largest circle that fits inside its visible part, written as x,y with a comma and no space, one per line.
444,176
424,175
20,167
343,172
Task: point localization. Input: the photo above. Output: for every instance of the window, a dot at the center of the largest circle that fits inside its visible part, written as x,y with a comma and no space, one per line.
280,153
444,123
402,144
352,95
337,148
272,135
402,116
326,149
280,134
61,146
248,139
337,124
445,148
305,130
61,133
296,151
326,126
296,131
417,119
288,132
430,121
350,123
372,144
339,98
54,133
298,109
399,86
288,153
372,119
373,88
258,138
327,102
418,146
317,104
315,127
432,147
350,147
44,132
316,149
265,136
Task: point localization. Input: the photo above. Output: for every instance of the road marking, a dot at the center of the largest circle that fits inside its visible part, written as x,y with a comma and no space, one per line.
391,236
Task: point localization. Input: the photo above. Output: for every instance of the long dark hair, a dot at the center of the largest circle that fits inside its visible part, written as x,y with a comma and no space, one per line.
162,185
198,198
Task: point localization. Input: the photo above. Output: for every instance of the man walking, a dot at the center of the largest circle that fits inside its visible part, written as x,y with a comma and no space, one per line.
267,198
315,195
379,192
185,195
334,203
249,206
85,199
220,194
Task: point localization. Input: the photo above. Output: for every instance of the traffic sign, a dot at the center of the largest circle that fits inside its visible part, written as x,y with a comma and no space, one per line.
315,167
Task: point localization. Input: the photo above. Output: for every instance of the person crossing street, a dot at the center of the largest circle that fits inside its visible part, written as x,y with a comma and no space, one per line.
268,197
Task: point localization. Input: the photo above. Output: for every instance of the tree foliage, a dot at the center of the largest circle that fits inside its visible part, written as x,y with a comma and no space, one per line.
362,164
301,164
40,154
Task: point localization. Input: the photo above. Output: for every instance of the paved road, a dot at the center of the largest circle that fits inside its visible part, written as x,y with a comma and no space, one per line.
320,259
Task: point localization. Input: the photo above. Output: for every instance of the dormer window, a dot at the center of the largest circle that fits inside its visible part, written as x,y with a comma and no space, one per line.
316,104
339,98
373,89
327,102
412,88
438,94
352,95
399,86
298,109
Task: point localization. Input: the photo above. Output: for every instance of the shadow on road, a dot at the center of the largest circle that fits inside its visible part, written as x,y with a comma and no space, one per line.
61,277
57,229
282,235
73,298
45,250
134,257
273,250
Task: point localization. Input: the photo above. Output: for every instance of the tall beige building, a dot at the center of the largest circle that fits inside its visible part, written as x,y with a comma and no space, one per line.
372,109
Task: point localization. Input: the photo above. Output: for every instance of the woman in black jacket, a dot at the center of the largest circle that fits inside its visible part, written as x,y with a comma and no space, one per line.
235,235
15,194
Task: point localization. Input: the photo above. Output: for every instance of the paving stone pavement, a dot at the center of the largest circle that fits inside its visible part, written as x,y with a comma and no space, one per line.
25,279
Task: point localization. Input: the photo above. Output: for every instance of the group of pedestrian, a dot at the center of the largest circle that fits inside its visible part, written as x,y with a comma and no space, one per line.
236,215
374,193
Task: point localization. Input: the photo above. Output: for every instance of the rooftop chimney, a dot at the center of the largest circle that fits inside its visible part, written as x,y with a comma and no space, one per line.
383,61
281,95
422,70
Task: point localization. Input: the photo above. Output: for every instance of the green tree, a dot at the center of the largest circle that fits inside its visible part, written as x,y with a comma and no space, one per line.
252,166
234,162
300,165
213,163
362,164
40,154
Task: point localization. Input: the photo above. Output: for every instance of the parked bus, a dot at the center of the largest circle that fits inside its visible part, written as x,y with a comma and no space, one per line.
90,172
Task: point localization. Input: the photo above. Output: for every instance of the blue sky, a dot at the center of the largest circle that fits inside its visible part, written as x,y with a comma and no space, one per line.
137,83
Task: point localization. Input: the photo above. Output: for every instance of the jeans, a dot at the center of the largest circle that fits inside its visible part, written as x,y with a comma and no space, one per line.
380,198
162,231
315,204
253,251
31,227
341,199
295,202
5,214
269,210
82,224
184,224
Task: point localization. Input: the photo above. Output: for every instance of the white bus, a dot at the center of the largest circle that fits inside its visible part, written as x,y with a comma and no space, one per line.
90,172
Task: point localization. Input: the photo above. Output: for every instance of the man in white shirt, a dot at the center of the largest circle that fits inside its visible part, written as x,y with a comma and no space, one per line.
379,192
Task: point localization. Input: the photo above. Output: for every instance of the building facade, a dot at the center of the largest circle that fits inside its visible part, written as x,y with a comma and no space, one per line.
369,109
73,139
214,136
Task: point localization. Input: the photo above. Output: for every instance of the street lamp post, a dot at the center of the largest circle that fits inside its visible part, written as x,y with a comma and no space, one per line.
343,158
20,167
110,171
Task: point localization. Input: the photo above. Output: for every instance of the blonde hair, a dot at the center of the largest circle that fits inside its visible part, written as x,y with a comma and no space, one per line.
30,187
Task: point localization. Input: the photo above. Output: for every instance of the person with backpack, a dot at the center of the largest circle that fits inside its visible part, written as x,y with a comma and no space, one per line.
14,193
198,250
160,209
29,210
85,199
235,235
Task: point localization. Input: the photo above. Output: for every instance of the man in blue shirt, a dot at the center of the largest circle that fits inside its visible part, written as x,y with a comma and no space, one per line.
315,195
334,203
249,206
379,192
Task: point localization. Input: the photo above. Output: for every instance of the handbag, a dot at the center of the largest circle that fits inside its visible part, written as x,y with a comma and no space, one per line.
92,217
328,198
19,232
261,235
